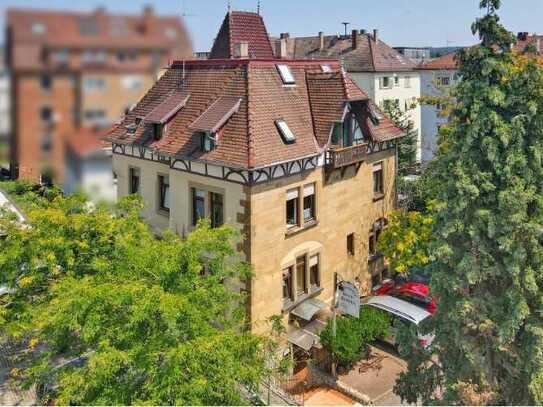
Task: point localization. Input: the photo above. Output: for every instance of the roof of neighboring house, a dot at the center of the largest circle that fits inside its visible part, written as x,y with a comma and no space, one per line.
524,39
444,63
87,141
249,138
238,27
369,55
31,31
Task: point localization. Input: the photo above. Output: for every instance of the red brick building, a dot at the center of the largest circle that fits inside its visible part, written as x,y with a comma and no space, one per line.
77,70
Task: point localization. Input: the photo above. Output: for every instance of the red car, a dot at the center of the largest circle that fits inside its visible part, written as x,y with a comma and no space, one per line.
410,291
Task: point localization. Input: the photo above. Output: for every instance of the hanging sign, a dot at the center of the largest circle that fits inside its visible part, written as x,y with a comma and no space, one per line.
348,299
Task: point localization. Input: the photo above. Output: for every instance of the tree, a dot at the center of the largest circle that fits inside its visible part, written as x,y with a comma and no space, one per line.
405,242
407,145
110,314
487,235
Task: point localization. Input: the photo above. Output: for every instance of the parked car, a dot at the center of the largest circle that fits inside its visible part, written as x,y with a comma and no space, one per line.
401,312
413,288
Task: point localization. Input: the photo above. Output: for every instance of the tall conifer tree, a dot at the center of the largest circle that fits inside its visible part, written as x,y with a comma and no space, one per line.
488,232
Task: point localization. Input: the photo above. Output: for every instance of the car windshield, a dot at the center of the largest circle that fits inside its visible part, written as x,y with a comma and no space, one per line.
414,299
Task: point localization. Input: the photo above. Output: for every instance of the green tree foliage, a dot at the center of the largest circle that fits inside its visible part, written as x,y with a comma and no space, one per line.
147,320
488,224
405,242
354,334
407,145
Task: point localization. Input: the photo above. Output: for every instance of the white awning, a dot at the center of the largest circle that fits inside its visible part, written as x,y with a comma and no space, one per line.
307,309
308,336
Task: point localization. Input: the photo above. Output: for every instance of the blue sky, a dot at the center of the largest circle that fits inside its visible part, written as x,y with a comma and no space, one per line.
401,22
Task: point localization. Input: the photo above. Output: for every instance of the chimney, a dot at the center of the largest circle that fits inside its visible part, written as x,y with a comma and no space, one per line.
100,11
281,48
284,35
354,38
148,18
376,35
321,41
241,50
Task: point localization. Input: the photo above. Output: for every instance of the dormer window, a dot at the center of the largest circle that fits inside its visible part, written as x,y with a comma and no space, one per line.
286,75
158,129
208,141
347,133
286,134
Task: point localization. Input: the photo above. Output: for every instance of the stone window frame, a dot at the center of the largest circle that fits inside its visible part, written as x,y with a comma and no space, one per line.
208,189
163,210
310,290
301,223
132,168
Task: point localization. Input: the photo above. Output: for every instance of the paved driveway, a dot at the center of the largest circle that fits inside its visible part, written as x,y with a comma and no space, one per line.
376,377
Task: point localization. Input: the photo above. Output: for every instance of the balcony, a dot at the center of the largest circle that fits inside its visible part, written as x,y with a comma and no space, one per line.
345,156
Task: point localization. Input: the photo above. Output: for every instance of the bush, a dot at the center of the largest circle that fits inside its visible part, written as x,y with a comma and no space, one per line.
354,334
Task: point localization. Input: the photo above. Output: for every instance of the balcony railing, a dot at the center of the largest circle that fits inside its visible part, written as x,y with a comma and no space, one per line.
342,157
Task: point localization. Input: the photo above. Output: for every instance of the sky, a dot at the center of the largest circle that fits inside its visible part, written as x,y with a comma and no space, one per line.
400,22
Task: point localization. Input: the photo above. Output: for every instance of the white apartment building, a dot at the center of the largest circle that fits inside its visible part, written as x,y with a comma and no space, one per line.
381,71
437,78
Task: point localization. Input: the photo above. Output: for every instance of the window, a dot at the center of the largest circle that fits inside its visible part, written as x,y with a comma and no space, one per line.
286,134
157,131
46,114
198,205
208,141
96,116
288,294
350,244
314,272
47,143
396,81
292,207
309,202
352,133
132,82
378,187
385,82
164,193
301,287
134,181
407,82
61,55
38,28
286,75
443,81
91,56
94,84
46,82
216,209
375,232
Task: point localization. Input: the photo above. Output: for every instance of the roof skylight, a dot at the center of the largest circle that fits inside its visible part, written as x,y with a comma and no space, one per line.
286,74
38,28
326,68
287,134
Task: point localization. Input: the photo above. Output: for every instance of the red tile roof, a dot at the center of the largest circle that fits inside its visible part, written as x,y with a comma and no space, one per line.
444,63
368,55
250,139
87,141
33,31
242,26
170,106
217,114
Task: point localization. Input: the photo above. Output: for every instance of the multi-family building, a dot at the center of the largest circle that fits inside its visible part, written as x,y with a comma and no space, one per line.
291,152
4,105
381,71
438,76
71,71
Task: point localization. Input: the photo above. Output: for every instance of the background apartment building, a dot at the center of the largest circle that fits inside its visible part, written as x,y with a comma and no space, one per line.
4,110
381,71
75,71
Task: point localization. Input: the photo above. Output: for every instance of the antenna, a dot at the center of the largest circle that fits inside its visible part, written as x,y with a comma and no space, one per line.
258,7
229,6
346,25
184,13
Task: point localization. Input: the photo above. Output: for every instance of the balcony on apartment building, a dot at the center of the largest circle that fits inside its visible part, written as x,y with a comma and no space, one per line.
340,157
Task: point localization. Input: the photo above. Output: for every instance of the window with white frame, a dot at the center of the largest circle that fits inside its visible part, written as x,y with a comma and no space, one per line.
407,82
292,207
443,80
286,74
94,83
396,81
385,82
286,134
132,82
309,208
